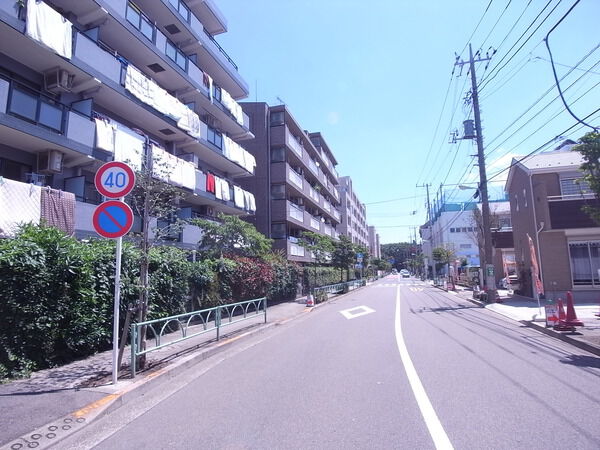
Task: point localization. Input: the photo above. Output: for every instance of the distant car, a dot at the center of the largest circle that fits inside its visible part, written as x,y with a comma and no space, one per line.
394,272
405,273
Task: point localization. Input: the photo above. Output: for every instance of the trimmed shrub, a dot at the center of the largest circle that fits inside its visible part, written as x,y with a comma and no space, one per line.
251,278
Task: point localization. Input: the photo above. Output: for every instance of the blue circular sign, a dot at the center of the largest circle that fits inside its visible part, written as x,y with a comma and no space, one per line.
112,219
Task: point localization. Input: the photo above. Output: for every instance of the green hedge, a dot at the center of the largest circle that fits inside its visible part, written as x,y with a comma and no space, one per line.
56,293
325,276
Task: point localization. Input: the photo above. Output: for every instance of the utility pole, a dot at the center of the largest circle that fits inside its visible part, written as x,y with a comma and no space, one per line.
489,279
430,220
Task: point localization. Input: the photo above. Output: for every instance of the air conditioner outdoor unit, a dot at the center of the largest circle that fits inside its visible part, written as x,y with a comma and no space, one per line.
50,161
58,79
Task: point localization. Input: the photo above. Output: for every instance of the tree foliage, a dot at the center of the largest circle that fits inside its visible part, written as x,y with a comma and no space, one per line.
231,236
343,255
589,148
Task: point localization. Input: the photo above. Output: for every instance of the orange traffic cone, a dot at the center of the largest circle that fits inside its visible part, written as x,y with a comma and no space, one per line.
561,311
571,314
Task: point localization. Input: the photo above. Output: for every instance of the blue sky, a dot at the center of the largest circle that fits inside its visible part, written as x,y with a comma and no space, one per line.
372,77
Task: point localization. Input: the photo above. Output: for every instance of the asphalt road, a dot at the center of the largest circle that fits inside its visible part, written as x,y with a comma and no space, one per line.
406,366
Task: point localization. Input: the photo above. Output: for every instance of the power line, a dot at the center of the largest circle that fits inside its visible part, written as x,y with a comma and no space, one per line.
566,65
476,27
554,69
497,21
542,96
486,81
542,146
395,200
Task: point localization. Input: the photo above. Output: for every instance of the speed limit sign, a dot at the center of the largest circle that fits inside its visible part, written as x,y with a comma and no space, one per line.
114,179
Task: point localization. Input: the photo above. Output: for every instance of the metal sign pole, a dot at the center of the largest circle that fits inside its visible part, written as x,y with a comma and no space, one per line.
116,308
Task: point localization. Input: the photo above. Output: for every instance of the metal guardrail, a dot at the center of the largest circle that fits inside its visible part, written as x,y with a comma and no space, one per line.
188,324
337,287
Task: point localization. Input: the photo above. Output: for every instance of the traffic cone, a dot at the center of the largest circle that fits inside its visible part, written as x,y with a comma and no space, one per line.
310,301
559,325
571,314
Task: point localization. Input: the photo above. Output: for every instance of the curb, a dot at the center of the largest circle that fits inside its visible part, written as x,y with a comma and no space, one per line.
563,337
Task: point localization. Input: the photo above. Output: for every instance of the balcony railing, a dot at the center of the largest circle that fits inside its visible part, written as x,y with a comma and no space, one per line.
296,250
326,206
295,179
296,212
580,196
315,223
314,194
294,145
336,214
220,49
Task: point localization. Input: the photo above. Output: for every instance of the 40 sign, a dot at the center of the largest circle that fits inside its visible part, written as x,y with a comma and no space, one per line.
114,179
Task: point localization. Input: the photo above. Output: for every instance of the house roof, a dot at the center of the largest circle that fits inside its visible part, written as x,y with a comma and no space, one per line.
558,160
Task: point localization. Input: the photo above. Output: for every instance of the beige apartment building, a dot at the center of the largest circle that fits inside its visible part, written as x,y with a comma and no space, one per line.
295,180
354,220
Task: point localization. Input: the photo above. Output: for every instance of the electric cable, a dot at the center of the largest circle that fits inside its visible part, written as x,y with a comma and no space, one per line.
546,40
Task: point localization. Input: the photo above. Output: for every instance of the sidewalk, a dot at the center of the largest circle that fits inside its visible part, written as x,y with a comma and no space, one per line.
57,402
526,311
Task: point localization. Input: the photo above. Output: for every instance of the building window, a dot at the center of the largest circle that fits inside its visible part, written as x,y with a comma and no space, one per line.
31,107
278,154
176,55
465,246
278,231
215,137
277,118
181,8
136,18
574,186
278,191
452,230
585,262
217,93
504,222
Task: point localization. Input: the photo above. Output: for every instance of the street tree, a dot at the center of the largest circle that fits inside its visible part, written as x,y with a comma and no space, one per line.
319,245
150,199
230,235
399,251
344,255
443,256
589,148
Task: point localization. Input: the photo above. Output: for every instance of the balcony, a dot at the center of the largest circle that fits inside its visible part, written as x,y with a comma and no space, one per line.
293,143
295,178
315,224
566,211
295,212
33,121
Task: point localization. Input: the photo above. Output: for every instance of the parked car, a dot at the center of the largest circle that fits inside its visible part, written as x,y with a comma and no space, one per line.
394,272
405,273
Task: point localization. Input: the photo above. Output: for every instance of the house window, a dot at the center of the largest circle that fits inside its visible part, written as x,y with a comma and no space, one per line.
277,118
585,262
278,191
278,154
215,137
574,186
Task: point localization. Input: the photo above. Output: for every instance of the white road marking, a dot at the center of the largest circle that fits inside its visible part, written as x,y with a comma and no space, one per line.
439,436
358,311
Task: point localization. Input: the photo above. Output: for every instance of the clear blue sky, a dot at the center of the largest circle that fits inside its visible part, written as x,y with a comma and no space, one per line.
372,77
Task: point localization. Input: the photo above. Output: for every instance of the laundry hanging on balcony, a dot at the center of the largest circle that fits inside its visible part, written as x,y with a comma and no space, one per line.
105,134
50,28
20,203
238,196
58,209
129,147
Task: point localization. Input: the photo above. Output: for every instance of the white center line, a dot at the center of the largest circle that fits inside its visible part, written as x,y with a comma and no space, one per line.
439,436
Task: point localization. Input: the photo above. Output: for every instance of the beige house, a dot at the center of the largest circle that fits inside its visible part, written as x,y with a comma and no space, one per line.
546,199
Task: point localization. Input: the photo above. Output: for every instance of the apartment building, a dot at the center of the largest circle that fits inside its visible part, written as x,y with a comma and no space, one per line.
354,220
83,82
546,200
374,246
295,180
